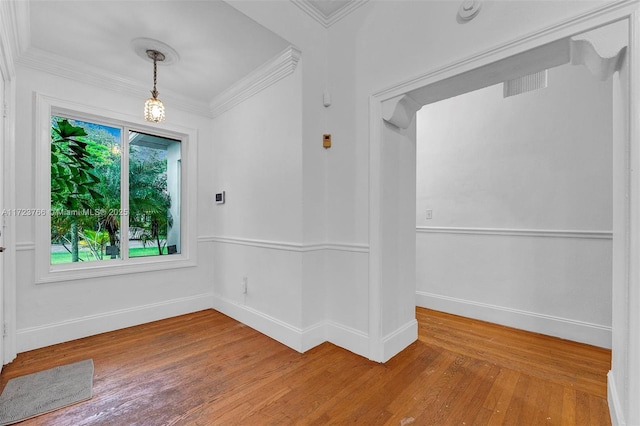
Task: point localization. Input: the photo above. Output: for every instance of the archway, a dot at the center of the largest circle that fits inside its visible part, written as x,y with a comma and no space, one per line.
602,43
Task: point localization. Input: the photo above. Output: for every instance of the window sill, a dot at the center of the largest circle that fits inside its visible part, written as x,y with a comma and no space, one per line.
71,272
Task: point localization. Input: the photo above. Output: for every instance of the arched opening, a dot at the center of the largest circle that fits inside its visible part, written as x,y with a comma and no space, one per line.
607,46
519,190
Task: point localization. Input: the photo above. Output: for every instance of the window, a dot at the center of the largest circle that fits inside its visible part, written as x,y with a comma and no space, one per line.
154,195
113,195
89,208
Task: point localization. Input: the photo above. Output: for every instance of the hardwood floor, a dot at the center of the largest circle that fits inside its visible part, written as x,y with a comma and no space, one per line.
207,369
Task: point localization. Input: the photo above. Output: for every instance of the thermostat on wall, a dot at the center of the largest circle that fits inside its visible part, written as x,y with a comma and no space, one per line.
220,197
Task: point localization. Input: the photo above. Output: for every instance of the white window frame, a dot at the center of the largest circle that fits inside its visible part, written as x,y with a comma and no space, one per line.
45,106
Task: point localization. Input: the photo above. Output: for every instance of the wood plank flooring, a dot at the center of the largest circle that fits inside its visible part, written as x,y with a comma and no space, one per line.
207,369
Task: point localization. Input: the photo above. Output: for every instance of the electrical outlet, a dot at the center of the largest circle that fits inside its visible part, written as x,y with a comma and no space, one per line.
245,285
429,214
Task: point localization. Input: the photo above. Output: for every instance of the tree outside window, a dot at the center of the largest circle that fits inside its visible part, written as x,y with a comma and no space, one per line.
91,209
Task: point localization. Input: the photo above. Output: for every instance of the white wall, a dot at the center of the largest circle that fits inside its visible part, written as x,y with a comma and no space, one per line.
520,190
539,160
325,244
49,313
383,44
257,233
257,160
376,46
301,305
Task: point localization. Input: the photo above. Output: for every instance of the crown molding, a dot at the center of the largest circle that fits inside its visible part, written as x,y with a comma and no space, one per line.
326,21
81,72
271,72
19,24
14,33
16,49
282,65
7,66
22,26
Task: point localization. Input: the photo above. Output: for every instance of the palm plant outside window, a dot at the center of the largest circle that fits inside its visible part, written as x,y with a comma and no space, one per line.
115,192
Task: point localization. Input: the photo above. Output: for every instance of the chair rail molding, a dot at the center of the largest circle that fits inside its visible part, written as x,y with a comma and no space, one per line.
25,246
286,245
549,233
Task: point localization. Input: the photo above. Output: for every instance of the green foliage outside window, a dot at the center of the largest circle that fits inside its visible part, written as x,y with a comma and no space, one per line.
86,214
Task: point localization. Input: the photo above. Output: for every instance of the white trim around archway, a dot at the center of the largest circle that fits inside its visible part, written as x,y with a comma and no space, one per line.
390,327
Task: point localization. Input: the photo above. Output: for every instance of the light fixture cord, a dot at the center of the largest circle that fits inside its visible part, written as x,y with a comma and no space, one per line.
154,92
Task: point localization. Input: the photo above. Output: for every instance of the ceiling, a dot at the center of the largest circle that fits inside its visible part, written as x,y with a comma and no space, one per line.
329,7
328,12
216,44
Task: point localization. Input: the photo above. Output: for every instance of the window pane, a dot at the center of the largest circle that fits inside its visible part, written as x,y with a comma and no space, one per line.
154,195
85,191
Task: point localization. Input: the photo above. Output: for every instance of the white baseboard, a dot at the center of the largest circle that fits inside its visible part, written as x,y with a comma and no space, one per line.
313,336
285,333
577,331
615,408
296,338
348,338
76,328
394,343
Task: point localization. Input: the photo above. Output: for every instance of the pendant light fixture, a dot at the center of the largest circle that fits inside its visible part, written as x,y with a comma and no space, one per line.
153,107
154,51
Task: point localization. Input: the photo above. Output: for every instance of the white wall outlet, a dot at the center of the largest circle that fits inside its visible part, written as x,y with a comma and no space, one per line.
245,285
429,214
